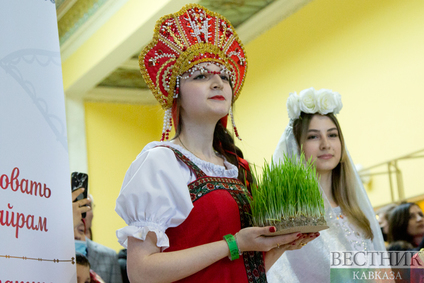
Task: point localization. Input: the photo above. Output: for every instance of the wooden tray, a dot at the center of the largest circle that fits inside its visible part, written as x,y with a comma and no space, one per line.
300,229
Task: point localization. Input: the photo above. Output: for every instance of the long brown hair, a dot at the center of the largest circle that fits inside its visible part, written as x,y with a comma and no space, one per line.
342,177
398,223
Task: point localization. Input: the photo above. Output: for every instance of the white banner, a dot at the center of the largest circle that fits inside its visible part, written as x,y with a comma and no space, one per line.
36,231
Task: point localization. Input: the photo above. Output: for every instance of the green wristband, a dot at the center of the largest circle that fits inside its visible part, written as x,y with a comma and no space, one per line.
232,245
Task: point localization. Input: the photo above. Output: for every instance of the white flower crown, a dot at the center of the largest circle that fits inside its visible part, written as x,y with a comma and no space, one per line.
312,101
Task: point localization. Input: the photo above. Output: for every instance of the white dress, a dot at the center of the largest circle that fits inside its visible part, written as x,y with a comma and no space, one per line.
154,194
312,262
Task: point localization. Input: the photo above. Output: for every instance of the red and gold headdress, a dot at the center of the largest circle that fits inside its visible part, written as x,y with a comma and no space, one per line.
184,39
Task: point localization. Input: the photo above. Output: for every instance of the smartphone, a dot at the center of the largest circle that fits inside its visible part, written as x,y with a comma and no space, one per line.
80,180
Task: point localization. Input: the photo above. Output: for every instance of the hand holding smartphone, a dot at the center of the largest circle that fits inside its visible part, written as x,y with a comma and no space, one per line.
80,180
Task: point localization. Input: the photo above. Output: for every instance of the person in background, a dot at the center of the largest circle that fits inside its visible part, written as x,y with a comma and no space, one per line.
122,259
400,246
103,260
406,223
89,218
84,272
83,269
79,206
383,218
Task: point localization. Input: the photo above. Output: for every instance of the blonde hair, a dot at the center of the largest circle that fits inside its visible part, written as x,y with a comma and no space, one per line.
342,177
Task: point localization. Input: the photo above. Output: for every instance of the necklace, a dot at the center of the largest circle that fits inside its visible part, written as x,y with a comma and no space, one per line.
187,148
216,153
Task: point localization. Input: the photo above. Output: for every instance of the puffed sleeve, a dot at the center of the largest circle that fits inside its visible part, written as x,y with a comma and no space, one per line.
154,196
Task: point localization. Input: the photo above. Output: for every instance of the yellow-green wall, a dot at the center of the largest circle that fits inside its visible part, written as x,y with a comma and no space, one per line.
369,51
116,133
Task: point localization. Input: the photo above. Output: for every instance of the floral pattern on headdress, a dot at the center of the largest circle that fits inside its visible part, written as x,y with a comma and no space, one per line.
184,39
313,101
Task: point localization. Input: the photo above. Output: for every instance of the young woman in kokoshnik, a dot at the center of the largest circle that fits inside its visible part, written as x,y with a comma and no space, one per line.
314,129
185,201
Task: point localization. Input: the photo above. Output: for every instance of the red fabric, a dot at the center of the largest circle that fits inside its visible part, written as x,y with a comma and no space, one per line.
95,278
175,114
224,121
242,163
85,225
213,216
220,207
417,270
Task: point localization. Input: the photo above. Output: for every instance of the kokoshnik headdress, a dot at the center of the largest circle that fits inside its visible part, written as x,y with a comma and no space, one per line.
182,40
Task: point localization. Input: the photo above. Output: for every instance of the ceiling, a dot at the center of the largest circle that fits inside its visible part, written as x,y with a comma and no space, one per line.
80,22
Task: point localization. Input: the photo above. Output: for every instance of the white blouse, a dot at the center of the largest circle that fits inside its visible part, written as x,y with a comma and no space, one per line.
341,236
154,195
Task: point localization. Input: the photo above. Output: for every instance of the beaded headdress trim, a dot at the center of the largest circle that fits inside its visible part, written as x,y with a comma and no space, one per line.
184,39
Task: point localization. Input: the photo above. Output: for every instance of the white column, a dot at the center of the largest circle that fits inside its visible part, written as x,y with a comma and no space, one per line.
77,145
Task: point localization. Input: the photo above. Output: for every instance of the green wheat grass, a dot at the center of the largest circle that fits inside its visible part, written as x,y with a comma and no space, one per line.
286,190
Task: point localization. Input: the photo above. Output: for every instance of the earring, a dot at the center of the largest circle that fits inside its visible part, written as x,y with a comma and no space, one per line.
234,124
167,124
177,88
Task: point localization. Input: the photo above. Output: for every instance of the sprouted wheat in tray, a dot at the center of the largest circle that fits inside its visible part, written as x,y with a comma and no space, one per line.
288,197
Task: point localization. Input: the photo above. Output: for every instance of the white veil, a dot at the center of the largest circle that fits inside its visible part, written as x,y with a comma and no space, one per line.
312,262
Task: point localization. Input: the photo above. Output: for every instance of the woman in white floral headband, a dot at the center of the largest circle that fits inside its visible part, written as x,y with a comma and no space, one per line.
314,128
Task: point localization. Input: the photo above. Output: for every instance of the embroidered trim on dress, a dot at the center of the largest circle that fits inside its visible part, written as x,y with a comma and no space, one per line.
231,172
253,261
